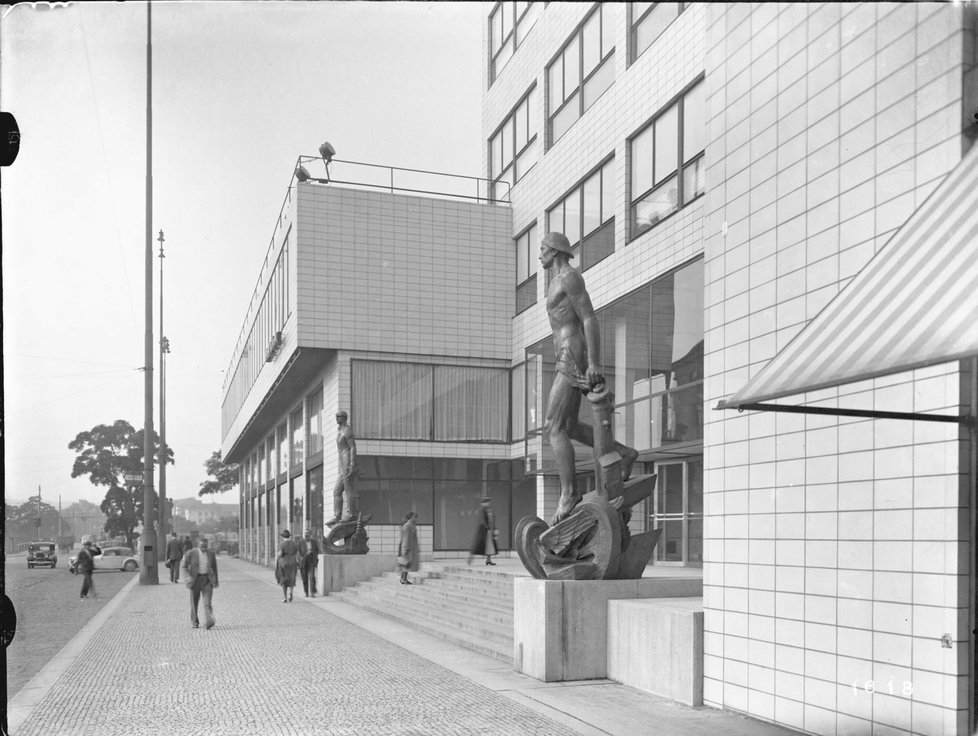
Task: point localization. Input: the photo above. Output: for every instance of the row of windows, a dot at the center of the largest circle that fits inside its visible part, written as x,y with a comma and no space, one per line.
270,320
288,446
668,171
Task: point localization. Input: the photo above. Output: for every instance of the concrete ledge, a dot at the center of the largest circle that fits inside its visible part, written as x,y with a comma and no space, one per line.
341,571
560,627
656,645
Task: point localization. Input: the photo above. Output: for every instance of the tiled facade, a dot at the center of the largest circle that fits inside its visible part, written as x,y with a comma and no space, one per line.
838,551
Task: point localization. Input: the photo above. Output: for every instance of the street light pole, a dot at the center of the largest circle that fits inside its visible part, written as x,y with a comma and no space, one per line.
149,573
164,349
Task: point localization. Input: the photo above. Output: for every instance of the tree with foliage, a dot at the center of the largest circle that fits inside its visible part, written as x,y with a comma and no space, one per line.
20,522
106,453
224,476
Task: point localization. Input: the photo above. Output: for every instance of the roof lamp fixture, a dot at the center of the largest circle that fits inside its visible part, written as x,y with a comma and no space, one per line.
302,174
327,152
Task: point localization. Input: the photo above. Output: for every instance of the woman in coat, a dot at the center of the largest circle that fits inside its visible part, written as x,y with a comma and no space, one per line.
407,551
484,542
286,565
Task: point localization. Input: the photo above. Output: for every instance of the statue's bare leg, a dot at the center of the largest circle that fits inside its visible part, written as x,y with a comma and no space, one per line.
562,408
584,434
337,502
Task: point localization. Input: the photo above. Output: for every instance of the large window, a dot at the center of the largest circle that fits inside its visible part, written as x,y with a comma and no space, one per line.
587,217
652,356
297,454
648,21
282,434
314,422
668,167
515,146
526,272
582,71
678,510
509,22
411,401
445,493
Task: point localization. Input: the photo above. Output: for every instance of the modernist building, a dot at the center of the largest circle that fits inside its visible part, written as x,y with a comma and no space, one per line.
725,171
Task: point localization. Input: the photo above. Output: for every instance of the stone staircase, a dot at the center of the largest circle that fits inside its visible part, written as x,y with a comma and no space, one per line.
471,607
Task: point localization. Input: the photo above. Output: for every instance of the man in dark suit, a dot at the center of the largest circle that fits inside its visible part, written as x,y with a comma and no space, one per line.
174,553
200,566
309,562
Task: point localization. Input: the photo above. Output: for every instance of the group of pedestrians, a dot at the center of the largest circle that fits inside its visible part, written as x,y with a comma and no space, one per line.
293,557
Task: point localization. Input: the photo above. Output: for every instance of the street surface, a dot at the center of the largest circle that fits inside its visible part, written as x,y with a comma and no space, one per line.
267,667
49,612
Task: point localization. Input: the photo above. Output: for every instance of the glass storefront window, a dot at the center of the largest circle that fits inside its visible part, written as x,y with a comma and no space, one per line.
314,421
283,448
678,511
296,453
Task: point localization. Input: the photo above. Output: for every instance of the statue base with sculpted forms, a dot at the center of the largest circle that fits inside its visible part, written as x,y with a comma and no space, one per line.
593,541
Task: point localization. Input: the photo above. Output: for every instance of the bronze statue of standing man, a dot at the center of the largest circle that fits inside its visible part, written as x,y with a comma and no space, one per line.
577,344
346,446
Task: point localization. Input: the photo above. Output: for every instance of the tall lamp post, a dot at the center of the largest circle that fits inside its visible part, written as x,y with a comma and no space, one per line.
149,573
164,349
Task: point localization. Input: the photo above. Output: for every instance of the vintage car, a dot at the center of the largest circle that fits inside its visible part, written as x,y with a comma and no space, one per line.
42,554
109,558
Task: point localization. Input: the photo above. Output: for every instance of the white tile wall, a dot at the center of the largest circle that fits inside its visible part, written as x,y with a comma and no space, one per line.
868,548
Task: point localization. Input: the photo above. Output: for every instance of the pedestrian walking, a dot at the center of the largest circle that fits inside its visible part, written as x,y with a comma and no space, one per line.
408,557
85,565
174,553
484,542
200,565
187,544
286,565
308,562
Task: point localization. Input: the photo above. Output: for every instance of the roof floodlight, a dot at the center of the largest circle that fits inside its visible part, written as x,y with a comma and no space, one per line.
327,152
300,173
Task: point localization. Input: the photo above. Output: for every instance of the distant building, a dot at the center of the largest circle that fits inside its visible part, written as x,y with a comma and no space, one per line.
199,512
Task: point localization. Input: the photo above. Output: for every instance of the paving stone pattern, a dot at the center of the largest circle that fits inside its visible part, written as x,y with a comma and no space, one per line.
267,667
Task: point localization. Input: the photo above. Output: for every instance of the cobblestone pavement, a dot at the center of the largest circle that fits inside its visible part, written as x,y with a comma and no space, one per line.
267,667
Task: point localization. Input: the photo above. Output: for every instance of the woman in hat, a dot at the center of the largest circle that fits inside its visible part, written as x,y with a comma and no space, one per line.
287,565
407,550
484,542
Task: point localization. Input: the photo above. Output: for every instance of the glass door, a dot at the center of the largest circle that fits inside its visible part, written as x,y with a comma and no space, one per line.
677,509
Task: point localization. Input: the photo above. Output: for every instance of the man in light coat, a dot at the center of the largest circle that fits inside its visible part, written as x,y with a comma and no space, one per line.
200,567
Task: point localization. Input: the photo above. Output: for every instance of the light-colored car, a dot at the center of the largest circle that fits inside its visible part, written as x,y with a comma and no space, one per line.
112,558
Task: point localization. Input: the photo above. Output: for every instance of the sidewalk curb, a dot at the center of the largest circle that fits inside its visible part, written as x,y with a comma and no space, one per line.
22,704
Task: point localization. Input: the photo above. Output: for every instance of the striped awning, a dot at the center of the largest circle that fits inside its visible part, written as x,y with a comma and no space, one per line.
915,303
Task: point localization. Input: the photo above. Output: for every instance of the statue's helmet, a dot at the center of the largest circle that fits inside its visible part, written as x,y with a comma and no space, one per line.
558,241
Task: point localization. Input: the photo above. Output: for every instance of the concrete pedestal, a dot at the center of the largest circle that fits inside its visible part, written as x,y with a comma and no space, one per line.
560,627
656,645
339,571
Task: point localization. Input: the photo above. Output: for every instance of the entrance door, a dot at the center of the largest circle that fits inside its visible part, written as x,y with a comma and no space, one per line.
678,511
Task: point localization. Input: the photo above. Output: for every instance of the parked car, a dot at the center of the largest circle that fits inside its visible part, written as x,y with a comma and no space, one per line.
42,554
109,558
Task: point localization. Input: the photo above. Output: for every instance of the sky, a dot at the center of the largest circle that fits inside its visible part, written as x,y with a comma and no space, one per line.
240,90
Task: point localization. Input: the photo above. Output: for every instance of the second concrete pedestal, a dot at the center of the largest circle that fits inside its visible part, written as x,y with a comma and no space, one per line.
340,571
560,627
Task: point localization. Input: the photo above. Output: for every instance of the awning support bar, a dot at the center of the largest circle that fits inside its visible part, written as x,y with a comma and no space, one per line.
964,420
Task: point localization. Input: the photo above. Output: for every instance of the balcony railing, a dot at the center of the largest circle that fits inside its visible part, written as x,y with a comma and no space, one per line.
413,181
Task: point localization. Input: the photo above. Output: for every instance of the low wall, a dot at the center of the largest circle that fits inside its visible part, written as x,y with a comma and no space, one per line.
339,571
560,627
656,645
